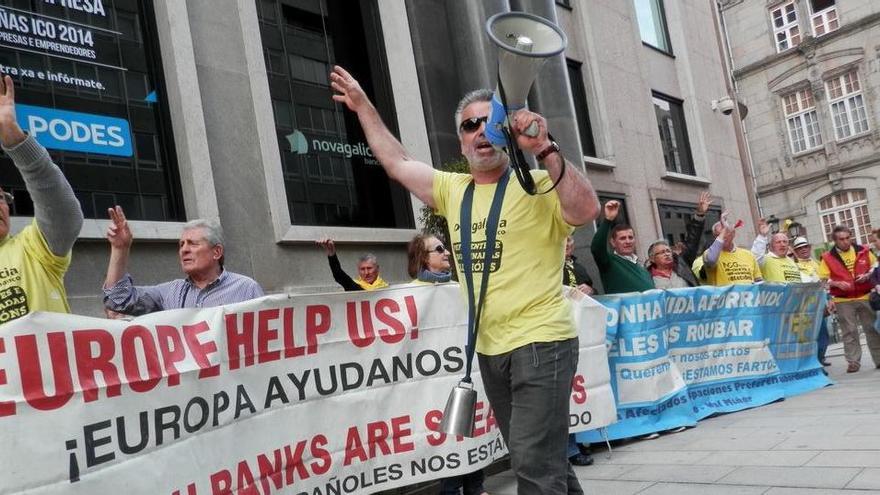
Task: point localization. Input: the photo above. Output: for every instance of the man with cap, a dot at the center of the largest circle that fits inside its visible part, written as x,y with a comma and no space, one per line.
809,268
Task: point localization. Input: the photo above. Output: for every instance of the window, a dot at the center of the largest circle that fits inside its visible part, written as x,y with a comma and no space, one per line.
622,216
847,105
581,109
111,75
652,24
674,216
330,175
848,208
823,16
802,122
786,31
673,135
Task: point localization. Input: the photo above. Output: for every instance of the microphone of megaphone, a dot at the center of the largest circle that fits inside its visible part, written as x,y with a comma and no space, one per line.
526,41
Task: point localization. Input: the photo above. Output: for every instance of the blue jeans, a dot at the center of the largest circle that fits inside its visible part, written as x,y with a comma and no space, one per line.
530,389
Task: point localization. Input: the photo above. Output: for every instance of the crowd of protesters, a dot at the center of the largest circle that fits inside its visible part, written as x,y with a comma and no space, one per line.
41,255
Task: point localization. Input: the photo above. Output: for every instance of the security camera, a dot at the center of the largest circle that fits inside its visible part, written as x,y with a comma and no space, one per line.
724,104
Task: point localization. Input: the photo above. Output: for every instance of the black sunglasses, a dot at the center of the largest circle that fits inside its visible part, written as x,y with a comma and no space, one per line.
439,249
8,197
472,124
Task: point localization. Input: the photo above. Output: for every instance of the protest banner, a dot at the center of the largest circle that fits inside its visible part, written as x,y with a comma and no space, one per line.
678,356
318,394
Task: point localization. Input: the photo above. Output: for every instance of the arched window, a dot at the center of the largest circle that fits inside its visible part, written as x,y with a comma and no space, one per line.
848,208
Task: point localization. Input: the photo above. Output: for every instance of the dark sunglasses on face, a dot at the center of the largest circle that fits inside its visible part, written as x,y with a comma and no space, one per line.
439,249
472,124
8,197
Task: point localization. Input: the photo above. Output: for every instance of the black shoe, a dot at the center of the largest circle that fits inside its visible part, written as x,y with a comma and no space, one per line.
581,460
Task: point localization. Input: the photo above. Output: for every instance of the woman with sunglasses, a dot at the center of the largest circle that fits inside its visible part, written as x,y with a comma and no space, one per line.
428,263
427,260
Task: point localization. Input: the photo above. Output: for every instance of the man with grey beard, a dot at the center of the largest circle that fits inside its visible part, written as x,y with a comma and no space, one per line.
526,342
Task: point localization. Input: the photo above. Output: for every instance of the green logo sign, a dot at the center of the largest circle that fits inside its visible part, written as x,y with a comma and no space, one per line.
301,145
298,143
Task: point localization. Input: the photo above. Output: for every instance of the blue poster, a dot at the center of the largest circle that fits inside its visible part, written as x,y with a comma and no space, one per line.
75,131
678,356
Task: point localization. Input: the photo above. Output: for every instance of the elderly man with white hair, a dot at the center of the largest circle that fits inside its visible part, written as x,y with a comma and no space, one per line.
200,250
771,251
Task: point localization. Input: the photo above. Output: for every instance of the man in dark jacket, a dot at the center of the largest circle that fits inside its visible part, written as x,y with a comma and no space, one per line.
670,270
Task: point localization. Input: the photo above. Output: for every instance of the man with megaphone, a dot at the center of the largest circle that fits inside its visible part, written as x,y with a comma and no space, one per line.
526,343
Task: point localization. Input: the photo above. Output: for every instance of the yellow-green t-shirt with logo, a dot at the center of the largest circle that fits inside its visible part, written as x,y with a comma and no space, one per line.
732,268
524,302
31,276
780,269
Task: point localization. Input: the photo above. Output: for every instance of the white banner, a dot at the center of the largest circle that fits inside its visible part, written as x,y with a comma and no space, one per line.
318,394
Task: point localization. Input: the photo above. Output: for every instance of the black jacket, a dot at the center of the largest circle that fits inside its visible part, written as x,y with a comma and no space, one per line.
684,261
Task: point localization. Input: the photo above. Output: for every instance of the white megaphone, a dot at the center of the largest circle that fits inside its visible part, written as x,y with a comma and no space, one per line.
526,41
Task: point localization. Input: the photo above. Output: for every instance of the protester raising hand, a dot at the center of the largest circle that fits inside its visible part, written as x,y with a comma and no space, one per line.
118,232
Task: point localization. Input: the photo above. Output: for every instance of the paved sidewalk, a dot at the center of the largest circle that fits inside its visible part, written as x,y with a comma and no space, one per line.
822,442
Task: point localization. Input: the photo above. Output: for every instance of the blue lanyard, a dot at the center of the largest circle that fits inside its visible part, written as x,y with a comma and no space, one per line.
475,310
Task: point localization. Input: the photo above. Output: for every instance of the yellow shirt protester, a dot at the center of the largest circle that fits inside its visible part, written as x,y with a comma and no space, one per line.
734,267
809,270
849,261
513,318
780,269
31,276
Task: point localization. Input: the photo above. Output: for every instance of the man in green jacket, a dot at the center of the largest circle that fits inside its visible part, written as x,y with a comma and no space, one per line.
618,264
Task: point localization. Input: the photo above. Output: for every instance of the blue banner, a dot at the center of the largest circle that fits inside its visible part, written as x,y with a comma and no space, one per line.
75,131
678,356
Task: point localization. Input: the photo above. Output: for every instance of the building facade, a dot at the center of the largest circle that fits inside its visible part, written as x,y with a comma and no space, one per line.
809,73
222,109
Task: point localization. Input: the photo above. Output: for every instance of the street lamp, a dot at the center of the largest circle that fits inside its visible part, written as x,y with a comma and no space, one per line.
794,230
774,224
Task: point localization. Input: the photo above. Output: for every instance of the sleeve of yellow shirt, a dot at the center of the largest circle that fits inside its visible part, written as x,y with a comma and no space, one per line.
756,270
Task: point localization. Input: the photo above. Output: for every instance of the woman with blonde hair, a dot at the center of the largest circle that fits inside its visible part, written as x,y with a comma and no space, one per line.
428,263
428,260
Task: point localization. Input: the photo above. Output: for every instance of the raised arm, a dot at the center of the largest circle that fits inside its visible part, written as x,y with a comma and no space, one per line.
56,209
695,227
120,238
759,245
339,275
576,195
416,176
599,244
710,256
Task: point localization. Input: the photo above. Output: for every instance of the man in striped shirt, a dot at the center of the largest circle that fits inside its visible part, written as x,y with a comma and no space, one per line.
207,283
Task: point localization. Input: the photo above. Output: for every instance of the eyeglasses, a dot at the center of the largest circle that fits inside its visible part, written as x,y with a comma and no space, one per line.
440,249
472,124
8,197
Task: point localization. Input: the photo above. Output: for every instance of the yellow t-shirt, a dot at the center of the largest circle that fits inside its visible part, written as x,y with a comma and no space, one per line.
31,276
809,270
849,261
780,269
524,302
733,268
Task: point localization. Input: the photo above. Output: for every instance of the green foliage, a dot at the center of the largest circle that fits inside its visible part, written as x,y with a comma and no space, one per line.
434,224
